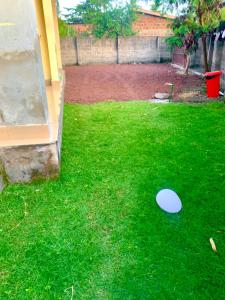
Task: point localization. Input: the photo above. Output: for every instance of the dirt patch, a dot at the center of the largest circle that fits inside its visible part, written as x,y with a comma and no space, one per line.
96,83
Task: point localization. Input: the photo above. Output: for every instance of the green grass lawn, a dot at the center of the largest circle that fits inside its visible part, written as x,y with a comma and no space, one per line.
97,233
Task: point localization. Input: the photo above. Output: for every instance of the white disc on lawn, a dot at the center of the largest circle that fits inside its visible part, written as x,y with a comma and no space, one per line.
169,201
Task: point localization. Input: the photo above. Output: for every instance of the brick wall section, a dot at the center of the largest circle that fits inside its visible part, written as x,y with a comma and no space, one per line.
145,25
134,49
80,28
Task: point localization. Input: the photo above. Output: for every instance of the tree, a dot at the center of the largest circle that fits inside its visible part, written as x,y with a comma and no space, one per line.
197,17
107,18
65,30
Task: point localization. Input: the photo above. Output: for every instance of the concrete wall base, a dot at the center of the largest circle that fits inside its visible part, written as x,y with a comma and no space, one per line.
26,163
135,49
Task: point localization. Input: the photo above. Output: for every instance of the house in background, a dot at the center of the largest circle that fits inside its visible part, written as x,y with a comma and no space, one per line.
31,90
148,45
148,23
151,23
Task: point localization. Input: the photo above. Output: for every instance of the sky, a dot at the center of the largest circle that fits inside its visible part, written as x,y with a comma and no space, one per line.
72,3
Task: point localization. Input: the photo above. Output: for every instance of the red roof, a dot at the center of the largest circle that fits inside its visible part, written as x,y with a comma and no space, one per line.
155,13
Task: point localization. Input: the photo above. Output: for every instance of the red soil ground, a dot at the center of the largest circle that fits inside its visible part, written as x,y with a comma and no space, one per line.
95,83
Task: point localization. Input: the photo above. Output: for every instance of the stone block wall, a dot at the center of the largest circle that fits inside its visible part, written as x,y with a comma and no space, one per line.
96,51
138,50
135,49
165,54
216,58
69,51
216,52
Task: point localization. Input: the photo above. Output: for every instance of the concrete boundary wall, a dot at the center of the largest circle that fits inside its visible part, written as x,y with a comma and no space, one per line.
100,51
216,52
69,51
136,49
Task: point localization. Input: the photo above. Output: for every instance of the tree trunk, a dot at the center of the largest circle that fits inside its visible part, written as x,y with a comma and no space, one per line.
187,63
205,53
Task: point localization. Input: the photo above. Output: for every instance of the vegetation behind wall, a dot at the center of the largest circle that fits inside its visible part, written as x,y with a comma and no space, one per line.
65,30
106,19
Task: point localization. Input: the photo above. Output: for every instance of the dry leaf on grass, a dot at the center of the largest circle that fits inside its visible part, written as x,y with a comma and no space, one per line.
213,245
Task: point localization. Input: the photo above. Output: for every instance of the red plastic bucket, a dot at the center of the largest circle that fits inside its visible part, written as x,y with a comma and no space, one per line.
213,84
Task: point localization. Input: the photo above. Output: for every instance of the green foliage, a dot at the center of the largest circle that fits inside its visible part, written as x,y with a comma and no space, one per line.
174,41
97,233
196,17
223,13
84,34
106,18
65,30
169,5
181,27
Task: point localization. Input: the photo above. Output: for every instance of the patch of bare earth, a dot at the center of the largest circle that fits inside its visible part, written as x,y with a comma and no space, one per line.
96,83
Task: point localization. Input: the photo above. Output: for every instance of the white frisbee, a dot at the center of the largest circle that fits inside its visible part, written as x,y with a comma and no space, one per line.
169,201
